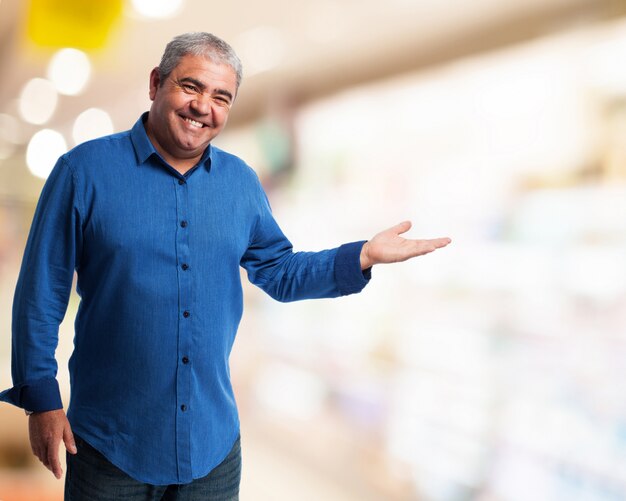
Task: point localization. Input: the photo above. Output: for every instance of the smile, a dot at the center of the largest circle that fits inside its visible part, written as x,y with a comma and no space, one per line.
193,122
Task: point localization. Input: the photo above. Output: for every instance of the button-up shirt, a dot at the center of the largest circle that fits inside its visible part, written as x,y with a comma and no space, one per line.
157,256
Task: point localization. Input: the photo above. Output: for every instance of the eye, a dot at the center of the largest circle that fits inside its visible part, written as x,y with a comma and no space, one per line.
189,87
221,100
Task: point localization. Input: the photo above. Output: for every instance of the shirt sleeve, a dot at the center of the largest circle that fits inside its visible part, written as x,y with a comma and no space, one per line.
286,275
42,293
350,278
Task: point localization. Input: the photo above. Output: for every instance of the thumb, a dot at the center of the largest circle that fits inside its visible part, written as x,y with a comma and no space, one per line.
68,439
401,228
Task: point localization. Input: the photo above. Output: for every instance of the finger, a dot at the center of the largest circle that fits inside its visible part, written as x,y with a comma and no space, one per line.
39,451
68,439
440,242
53,463
427,246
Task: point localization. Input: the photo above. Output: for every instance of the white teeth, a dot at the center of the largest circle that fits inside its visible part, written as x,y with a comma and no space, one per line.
193,122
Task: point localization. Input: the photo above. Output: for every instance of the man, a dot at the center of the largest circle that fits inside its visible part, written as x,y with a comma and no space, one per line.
156,222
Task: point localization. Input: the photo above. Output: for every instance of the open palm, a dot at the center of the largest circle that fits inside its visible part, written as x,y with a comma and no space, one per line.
389,247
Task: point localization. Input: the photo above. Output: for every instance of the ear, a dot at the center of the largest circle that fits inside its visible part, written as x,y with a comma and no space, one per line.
155,82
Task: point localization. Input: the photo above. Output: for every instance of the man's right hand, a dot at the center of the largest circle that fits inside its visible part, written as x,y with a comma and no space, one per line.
46,431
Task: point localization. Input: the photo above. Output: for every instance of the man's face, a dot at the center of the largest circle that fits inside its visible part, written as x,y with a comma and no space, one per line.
190,107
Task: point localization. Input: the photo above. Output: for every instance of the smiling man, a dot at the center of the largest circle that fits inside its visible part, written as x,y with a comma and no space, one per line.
157,222
190,106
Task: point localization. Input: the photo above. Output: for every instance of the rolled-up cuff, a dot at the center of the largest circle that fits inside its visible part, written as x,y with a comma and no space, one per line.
35,396
348,274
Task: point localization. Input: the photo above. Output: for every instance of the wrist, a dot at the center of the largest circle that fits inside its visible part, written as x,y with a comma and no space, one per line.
366,262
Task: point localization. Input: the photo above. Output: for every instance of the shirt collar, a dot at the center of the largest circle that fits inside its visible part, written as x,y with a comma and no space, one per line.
144,149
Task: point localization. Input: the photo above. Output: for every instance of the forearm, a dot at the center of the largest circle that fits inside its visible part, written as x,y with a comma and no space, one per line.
312,275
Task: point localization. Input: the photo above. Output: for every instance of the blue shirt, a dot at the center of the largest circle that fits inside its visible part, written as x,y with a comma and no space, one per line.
157,256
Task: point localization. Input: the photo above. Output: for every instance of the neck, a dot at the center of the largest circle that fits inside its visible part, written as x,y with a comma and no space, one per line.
179,164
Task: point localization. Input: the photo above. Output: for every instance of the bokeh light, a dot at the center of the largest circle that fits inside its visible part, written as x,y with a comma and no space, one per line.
43,150
69,70
38,101
90,124
157,9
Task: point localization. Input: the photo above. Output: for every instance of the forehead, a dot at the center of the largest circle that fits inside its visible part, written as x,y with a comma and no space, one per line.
205,70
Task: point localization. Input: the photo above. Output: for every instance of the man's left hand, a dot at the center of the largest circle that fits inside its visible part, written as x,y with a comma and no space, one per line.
389,247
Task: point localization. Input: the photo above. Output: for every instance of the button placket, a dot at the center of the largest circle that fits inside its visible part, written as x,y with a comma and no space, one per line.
185,326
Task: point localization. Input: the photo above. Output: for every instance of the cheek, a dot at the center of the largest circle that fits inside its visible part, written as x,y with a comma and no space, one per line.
177,102
221,114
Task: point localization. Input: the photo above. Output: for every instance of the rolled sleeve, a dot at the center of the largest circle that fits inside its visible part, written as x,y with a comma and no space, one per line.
36,396
349,277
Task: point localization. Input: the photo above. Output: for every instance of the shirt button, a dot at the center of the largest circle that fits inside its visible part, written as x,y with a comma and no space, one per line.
185,360
185,266
183,407
181,181
186,314
183,224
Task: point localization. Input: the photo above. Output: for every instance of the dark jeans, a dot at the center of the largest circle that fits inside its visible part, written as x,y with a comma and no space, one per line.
91,477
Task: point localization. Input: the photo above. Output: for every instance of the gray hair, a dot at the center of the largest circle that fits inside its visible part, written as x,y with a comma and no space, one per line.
198,44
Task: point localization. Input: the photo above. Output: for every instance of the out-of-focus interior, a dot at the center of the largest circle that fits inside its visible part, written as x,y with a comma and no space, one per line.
488,371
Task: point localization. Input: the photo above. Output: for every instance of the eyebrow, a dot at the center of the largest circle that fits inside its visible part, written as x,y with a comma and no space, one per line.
192,80
223,92
203,87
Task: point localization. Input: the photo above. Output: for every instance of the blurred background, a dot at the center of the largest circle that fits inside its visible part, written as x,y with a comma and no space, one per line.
488,371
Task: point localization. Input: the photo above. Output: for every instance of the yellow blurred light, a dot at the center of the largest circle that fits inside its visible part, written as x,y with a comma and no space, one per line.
69,70
90,124
157,9
72,23
43,150
38,101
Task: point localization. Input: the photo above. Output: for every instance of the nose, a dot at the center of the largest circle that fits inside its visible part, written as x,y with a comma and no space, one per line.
201,104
